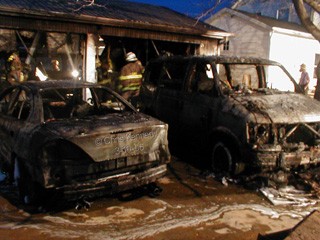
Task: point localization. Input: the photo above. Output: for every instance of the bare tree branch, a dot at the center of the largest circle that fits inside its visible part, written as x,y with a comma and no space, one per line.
314,4
210,10
308,24
305,18
86,3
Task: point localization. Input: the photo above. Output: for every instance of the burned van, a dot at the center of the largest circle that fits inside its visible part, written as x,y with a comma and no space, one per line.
245,114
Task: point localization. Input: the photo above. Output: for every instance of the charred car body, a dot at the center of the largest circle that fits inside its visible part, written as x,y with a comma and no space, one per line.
244,113
80,139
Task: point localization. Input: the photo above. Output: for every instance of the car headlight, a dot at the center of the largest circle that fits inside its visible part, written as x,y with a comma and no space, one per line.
260,134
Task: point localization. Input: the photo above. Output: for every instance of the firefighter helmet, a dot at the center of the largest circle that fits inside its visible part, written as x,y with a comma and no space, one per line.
131,57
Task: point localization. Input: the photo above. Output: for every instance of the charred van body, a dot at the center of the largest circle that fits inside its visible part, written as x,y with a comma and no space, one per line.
245,114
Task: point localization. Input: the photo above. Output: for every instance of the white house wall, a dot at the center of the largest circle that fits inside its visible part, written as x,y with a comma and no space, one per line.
293,51
316,19
248,40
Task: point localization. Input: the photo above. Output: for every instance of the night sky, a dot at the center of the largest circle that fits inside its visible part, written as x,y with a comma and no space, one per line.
192,8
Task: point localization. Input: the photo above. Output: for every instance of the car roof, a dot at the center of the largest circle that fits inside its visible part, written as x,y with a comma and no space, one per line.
219,59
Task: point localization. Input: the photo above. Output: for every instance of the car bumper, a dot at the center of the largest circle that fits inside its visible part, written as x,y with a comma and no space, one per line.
287,160
113,184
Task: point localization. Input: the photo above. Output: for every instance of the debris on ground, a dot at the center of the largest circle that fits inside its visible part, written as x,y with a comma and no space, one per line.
312,178
280,188
224,181
289,195
303,189
83,203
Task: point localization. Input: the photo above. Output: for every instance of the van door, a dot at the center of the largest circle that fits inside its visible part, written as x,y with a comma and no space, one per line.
169,96
200,107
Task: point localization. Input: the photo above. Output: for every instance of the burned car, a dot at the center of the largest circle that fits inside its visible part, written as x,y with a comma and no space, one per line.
245,114
78,139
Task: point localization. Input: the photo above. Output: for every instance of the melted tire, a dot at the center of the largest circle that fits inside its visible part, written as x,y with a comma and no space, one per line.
222,159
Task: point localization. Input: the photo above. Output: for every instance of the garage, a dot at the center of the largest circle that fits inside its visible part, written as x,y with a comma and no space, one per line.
81,37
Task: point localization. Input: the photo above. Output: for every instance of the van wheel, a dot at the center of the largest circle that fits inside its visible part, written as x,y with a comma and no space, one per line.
222,159
29,191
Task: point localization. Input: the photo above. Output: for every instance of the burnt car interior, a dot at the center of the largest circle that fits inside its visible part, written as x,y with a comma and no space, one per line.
79,102
171,74
253,77
234,78
16,104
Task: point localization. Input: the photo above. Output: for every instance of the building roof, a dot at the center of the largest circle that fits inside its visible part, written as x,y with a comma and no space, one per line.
119,13
272,22
263,21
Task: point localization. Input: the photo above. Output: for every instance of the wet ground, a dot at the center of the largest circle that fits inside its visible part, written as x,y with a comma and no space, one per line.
191,206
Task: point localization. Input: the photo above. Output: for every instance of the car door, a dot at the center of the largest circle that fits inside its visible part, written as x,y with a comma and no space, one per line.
201,101
15,108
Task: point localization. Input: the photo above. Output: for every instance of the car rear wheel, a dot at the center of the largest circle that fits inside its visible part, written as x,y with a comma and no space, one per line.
222,159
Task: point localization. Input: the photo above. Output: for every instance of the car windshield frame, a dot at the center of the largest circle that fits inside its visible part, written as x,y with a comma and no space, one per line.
255,77
61,103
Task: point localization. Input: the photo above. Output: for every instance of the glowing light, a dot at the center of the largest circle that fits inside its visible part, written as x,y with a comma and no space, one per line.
40,75
75,73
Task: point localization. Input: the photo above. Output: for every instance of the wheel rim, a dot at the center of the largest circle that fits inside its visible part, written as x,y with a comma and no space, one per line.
221,158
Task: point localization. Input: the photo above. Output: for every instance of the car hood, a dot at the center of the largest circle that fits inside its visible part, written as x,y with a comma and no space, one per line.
275,108
114,135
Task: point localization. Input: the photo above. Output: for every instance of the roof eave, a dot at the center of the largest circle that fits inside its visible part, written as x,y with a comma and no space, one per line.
292,32
68,17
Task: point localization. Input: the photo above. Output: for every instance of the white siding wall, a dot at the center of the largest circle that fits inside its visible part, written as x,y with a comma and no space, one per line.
316,19
292,51
248,40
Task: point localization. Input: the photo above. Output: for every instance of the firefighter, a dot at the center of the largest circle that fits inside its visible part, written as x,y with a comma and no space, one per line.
105,75
130,77
105,69
55,71
15,69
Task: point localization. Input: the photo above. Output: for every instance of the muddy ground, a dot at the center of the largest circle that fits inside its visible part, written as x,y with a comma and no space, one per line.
192,206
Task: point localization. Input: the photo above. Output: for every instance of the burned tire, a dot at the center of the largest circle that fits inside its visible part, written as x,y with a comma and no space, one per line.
222,159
